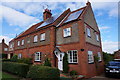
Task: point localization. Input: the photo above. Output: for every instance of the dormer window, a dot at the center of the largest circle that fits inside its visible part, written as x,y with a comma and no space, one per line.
42,37
67,32
22,42
18,43
35,38
88,32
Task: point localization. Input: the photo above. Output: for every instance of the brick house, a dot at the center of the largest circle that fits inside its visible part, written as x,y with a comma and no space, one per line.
117,54
74,32
3,47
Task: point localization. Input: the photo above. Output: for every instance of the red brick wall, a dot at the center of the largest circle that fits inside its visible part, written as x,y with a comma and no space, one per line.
92,71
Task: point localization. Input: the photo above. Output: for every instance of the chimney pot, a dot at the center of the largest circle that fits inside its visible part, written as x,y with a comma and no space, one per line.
47,14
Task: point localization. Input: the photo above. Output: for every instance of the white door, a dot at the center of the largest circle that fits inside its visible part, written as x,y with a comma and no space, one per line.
8,56
60,60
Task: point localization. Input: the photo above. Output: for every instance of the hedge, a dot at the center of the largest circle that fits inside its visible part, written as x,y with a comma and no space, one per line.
38,72
3,56
4,60
25,60
20,69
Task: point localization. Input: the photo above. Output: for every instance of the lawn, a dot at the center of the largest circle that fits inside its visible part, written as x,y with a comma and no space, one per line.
7,76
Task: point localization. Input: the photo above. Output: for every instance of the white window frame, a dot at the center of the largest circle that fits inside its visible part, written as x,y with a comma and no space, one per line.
19,56
5,49
72,60
39,56
22,42
90,57
97,37
42,37
11,45
67,32
99,57
88,32
35,38
18,43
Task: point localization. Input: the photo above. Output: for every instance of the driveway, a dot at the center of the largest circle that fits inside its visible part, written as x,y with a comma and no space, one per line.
102,77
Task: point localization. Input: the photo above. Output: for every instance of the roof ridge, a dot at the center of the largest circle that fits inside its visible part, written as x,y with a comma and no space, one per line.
78,9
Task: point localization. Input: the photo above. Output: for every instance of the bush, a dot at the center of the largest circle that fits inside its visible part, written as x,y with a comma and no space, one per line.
16,68
65,63
47,63
25,60
5,60
107,57
38,72
4,56
14,58
73,73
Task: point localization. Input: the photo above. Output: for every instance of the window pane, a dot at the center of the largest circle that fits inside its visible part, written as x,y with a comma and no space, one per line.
67,32
90,57
42,37
97,37
22,42
88,32
18,43
35,38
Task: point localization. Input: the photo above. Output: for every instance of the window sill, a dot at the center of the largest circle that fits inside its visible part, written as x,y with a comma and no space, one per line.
90,62
73,63
98,41
67,36
42,40
37,61
89,36
99,61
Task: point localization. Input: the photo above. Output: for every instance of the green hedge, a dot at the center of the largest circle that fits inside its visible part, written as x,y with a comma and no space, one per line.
20,69
25,60
3,56
38,72
6,60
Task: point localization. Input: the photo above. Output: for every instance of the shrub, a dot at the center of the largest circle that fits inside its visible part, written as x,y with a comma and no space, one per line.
47,63
73,73
20,69
37,72
4,56
25,60
65,63
5,60
14,58
107,57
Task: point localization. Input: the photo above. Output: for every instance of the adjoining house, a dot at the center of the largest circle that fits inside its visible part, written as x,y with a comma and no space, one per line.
4,48
117,54
74,32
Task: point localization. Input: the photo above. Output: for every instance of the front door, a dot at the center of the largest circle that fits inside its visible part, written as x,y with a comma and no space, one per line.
60,60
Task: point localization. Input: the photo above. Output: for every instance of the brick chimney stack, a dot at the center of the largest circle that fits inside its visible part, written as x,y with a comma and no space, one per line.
47,14
3,41
88,3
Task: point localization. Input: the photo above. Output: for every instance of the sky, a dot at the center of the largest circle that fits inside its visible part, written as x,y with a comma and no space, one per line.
18,15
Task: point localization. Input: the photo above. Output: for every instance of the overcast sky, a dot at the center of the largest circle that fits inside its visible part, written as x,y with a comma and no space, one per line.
18,15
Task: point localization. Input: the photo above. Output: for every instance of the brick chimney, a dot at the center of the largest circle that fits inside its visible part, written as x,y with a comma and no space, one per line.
3,40
47,14
88,3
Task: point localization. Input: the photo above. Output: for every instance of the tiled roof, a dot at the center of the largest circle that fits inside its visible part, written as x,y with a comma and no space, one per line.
49,21
60,19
